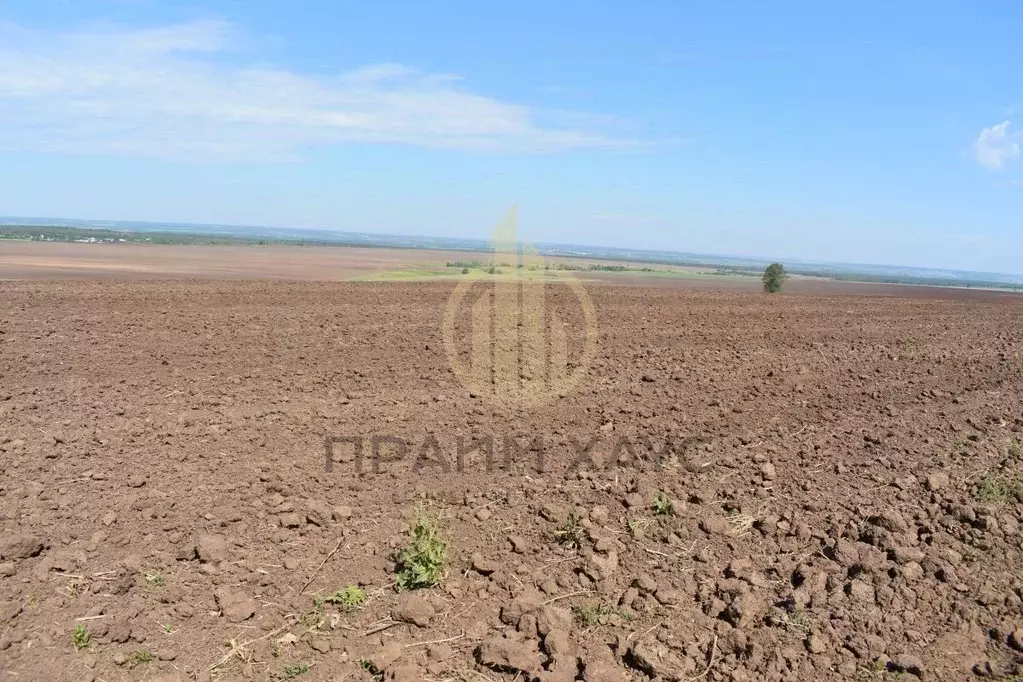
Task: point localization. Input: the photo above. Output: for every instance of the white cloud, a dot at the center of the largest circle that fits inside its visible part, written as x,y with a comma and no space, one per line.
169,93
997,146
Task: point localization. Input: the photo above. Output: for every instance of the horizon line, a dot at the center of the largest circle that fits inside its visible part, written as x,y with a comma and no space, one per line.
757,259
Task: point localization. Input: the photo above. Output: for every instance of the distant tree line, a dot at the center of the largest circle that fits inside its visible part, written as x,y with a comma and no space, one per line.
587,267
78,234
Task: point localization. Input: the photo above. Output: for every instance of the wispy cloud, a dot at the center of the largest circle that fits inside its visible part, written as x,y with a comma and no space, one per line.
997,146
168,92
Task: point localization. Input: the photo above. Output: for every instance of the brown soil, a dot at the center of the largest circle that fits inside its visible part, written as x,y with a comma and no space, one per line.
58,260
846,489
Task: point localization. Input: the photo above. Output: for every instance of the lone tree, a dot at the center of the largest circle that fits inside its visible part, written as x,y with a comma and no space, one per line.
774,276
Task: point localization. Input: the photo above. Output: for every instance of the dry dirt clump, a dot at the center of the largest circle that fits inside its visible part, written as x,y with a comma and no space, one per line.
817,488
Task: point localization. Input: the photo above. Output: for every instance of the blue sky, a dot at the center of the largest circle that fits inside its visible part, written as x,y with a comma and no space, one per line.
873,132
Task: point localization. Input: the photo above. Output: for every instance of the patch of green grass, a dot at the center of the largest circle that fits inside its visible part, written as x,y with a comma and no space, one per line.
998,488
636,526
875,670
72,588
570,533
378,676
798,622
312,619
590,615
293,670
662,506
348,599
960,444
1014,449
155,578
407,274
141,657
741,523
421,562
81,637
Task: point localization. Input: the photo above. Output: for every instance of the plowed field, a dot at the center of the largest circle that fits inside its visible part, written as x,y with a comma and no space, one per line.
808,486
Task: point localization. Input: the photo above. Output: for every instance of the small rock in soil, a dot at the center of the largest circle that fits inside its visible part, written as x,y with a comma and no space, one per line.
556,644
907,663
937,481
211,549
815,644
668,596
318,512
912,571
21,547
1016,639
484,566
860,591
405,673
645,584
745,610
236,606
635,501
119,632
414,610
600,666
383,658
527,602
505,655
291,520
440,652
9,612
715,525
553,618
657,660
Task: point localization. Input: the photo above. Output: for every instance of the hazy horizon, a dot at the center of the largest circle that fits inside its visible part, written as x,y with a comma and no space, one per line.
483,240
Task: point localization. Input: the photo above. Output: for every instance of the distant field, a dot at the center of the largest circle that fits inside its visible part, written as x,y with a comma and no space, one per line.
54,260
27,260
62,260
650,265
560,269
